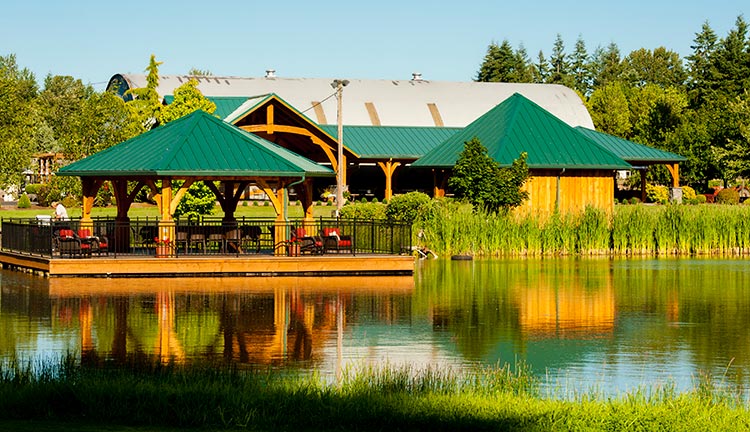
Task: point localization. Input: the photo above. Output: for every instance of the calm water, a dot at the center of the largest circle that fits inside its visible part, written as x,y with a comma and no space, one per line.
607,324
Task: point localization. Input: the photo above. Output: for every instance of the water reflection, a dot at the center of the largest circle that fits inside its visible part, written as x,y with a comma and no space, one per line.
613,324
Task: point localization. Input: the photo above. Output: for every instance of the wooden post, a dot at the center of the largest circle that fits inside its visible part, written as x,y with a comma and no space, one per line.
674,170
389,168
166,223
90,187
643,184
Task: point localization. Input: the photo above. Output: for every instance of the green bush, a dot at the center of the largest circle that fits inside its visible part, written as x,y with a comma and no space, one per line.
69,201
375,199
24,202
635,200
688,193
406,207
363,211
701,199
33,188
103,196
727,196
244,203
657,194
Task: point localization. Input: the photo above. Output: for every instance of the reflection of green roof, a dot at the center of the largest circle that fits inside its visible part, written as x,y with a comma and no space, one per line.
225,105
630,151
397,142
519,125
198,144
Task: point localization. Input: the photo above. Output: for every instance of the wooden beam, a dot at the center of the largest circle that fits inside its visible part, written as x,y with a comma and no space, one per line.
373,113
269,119
319,113
388,169
674,170
178,196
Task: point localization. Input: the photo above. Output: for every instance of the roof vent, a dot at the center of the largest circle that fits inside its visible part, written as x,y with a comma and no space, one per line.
270,73
416,76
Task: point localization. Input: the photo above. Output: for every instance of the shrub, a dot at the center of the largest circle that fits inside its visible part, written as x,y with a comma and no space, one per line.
363,200
32,188
103,196
688,193
244,203
406,207
727,196
375,199
635,200
701,199
363,211
657,194
24,202
69,201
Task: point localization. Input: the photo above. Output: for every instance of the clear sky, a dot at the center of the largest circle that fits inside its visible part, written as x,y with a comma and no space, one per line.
384,39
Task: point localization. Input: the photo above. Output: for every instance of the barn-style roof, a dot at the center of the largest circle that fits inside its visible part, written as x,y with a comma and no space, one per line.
631,152
415,102
197,145
519,125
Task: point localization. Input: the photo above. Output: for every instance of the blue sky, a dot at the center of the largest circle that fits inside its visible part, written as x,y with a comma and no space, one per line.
385,39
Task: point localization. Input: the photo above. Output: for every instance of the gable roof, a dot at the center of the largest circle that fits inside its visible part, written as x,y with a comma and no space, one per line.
198,144
225,105
519,125
630,151
396,142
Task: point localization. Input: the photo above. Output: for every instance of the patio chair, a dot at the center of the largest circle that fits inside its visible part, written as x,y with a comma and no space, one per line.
98,244
250,235
71,244
181,241
335,241
233,241
307,244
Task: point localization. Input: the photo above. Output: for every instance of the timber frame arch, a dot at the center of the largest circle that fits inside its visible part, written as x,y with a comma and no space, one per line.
272,118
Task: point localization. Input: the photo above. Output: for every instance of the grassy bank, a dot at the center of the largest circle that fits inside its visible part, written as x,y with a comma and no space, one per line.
500,398
630,230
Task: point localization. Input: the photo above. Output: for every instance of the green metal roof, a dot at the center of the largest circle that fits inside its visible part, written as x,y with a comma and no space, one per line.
519,125
397,142
629,151
198,144
225,105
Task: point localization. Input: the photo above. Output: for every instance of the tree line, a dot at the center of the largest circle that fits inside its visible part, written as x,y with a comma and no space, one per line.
698,107
70,118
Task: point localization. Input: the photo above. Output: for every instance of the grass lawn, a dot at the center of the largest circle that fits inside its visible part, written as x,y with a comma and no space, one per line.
146,210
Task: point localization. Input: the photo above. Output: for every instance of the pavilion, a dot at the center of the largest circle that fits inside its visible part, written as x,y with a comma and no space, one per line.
197,147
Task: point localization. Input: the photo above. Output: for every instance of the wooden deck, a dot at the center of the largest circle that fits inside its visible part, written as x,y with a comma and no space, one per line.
213,266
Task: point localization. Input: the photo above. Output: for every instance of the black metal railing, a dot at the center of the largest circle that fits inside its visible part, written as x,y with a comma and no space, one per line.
205,236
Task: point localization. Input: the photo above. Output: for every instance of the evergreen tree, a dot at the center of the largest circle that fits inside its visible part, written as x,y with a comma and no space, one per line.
581,68
606,65
501,64
559,65
701,71
540,69
732,61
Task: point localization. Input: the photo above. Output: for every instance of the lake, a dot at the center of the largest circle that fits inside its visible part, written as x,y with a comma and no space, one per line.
605,324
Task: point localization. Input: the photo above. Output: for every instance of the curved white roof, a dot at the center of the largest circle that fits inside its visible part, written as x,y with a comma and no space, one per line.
388,102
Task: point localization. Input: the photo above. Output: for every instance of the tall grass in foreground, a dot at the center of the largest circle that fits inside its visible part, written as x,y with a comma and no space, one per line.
388,398
455,228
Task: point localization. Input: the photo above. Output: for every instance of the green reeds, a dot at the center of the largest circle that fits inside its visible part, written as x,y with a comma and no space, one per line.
455,228
155,397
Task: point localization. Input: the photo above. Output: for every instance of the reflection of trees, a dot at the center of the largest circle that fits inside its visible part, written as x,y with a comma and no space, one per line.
702,303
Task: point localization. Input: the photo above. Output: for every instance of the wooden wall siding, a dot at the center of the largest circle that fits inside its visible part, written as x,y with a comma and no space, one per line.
578,189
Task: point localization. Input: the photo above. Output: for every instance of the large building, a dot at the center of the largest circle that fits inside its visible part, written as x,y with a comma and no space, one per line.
390,124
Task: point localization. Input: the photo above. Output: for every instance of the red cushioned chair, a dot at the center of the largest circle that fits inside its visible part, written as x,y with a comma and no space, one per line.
98,244
335,241
71,244
307,244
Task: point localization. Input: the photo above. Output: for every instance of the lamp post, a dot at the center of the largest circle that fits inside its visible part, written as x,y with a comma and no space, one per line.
339,85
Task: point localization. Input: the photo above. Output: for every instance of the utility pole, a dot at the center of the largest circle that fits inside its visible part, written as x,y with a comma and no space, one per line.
339,85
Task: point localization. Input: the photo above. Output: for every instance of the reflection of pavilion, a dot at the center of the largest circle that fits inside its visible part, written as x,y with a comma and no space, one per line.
283,319
548,310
